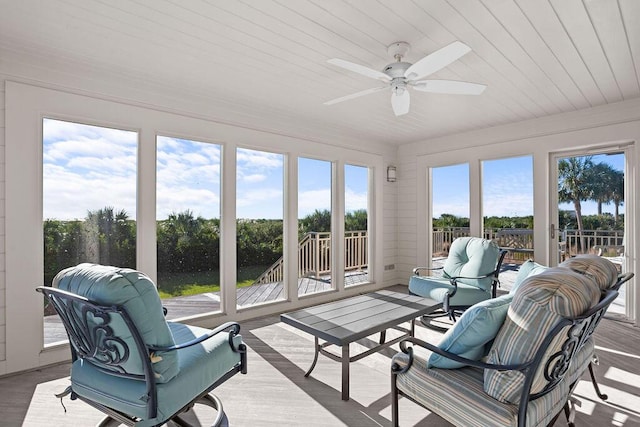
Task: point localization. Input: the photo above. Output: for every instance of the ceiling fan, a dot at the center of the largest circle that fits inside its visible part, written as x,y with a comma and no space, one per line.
400,75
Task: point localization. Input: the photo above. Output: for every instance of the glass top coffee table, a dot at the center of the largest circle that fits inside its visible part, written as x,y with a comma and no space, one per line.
345,321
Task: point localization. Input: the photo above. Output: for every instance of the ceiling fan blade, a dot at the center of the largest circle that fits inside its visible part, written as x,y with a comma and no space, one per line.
437,60
449,86
400,103
356,95
360,69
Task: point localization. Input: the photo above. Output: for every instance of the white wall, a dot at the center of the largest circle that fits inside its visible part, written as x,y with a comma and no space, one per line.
614,125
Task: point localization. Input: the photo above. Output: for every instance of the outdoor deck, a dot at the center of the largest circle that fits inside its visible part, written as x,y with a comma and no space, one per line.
179,307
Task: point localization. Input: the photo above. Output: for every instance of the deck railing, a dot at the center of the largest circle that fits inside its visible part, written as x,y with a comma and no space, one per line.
314,249
519,241
314,256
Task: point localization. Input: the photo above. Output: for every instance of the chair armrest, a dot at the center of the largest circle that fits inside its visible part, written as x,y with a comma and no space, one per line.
435,349
417,270
232,327
454,283
622,278
469,277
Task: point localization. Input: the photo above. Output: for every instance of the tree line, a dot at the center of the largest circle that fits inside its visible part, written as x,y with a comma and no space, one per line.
567,220
185,242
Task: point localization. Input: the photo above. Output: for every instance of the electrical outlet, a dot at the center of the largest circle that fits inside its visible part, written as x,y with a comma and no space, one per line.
389,267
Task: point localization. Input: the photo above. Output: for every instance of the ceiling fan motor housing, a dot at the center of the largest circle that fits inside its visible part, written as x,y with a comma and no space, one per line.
396,69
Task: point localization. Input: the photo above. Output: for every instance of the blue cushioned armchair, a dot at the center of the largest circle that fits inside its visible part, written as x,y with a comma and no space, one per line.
127,360
469,275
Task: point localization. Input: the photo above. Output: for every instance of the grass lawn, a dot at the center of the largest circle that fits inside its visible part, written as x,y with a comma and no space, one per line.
184,284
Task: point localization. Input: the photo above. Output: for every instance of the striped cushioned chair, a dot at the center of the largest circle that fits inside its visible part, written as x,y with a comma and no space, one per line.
543,347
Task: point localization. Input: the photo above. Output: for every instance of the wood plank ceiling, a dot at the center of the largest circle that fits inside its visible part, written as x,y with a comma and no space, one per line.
263,63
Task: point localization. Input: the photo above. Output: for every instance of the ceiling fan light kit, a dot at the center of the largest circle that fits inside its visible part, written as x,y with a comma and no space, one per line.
399,75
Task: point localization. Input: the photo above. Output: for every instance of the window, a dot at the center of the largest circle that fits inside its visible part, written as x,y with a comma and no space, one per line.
314,225
450,206
89,198
507,204
356,251
259,228
188,223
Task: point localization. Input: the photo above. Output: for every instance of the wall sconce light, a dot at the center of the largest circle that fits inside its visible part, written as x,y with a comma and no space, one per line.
391,174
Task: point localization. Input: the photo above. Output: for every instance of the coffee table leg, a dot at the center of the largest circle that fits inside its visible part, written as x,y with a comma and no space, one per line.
345,372
315,357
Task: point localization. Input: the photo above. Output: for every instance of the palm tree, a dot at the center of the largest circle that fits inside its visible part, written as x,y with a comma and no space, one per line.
574,185
617,193
600,179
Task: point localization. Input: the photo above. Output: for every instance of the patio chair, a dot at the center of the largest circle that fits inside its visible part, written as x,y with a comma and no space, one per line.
127,360
469,275
512,360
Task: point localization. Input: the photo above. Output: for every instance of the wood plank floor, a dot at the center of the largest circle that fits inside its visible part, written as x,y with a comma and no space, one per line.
276,393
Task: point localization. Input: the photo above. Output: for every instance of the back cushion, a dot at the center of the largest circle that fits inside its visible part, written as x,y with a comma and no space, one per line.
538,305
472,257
528,268
137,294
603,271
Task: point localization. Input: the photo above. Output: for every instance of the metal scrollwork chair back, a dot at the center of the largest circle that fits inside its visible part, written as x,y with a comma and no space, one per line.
127,360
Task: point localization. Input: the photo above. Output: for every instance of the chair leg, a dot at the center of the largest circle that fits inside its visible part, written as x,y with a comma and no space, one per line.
601,395
570,412
427,319
394,401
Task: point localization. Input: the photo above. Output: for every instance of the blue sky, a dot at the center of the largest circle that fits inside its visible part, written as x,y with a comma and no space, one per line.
507,187
89,167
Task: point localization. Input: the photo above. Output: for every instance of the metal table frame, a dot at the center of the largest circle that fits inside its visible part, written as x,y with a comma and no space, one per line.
345,321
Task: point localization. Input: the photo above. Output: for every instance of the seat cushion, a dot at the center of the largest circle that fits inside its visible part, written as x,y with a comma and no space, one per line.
538,305
476,327
135,292
436,288
457,395
472,257
200,366
601,270
528,268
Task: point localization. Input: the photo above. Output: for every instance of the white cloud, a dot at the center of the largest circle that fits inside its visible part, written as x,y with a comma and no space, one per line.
201,202
188,178
309,201
68,195
86,168
354,201
254,178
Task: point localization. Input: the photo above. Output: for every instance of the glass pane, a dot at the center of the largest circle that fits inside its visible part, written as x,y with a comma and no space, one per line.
314,225
356,204
259,211
188,225
450,206
89,201
507,202
591,210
